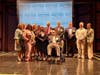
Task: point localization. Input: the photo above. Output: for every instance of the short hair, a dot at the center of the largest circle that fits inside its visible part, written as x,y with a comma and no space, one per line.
89,23
53,29
82,23
70,23
20,25
29,27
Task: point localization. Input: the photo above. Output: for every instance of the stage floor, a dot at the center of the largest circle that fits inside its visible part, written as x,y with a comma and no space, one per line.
72,66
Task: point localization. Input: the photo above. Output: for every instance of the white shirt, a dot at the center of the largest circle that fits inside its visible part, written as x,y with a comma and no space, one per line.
70,31
81,34
54,39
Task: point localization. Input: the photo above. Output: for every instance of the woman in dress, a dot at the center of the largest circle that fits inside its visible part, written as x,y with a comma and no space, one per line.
29,40
19,41
43,42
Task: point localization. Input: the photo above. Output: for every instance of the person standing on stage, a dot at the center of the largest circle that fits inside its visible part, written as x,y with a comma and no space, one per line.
81,38
48,28
70,39
90,38
59,29
29,39
19,41
43,42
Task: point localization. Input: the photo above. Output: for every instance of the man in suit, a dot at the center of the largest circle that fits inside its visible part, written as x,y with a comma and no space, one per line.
48,28
90,38
60,32
81,38
70,39
59,29
54,41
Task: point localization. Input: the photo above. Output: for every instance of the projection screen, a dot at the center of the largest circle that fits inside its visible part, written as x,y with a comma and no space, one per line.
40,12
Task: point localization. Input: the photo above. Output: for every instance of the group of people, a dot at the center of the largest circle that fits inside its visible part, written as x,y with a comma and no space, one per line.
38,41
84,41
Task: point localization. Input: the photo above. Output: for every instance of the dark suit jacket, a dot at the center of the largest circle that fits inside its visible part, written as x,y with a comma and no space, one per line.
70,36
60,31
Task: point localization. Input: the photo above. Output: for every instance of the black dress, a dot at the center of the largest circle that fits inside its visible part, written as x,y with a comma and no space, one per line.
42,42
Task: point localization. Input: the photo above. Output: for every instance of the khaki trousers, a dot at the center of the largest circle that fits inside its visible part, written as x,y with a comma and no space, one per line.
90,50
81,48
53,45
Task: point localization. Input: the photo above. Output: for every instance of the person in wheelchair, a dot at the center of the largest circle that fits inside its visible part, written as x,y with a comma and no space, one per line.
54,41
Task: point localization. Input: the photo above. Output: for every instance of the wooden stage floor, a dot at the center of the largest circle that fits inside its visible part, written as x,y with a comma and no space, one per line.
72,66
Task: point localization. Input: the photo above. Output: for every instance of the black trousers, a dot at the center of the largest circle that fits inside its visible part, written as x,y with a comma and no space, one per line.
70,47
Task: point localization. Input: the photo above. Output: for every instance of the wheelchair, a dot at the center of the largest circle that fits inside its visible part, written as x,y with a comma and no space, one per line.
54,56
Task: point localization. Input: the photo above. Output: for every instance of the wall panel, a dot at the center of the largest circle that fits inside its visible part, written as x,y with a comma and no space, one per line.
98,46
97,25
11,21
0,32
97,6
1,26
